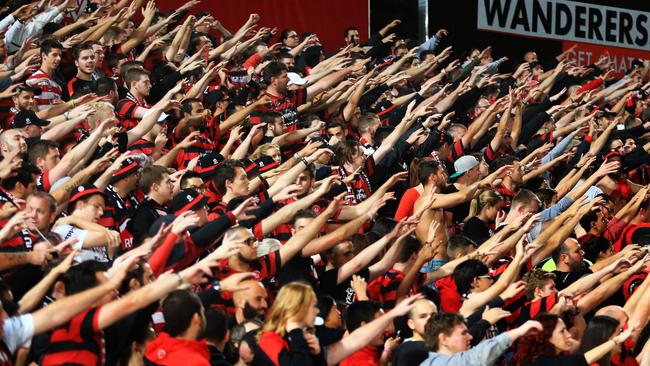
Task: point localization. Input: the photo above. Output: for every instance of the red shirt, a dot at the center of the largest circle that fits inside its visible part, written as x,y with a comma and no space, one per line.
167,350
450,300
367,356
406,203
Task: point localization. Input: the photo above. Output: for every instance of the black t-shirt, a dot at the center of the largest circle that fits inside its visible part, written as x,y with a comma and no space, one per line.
341,292
572,360
477,230
300,269
565,279
459,212
410,353
327,336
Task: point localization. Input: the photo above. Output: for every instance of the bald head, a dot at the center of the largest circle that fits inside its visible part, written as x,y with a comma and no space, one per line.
614,311
252,302
419,316
12,140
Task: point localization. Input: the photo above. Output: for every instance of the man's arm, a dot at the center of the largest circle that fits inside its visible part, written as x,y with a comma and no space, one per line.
79,154
363,335
140,33
299,240
239,116
286,213
479,299
63,310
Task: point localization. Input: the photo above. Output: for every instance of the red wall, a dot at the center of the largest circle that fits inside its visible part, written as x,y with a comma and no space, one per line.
327,18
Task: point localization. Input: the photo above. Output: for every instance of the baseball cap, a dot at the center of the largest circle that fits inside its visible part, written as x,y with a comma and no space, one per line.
35,90
463,164
295,79
265,163
214,96
208,164
128,167
85,191
611,153
26,118
188,200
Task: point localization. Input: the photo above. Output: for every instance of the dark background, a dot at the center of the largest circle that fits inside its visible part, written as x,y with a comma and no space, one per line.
459,17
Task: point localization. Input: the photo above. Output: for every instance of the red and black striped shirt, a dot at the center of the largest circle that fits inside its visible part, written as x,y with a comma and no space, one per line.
79,342
125,110
286,105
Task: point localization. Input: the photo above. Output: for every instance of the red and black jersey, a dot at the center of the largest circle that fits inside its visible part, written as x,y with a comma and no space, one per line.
384,288
125,110
457,150
627,235
43,182
632,283
75,84
286,105
117,213
79,342
532,309
212,129
360,188
507,194
202,144
142,146
264,269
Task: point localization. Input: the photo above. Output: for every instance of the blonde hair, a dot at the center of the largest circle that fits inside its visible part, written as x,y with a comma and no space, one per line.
489,197
291,304
263,150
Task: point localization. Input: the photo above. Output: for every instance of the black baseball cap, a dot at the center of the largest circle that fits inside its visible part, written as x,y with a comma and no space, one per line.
208,164
35,90
188,200
27,118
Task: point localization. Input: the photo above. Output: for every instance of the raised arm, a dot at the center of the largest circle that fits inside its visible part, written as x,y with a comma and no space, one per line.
80,153
363,335
299,240
61,311
477,300
141,32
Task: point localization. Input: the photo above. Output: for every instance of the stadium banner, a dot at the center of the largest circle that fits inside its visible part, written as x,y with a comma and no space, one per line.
567,21
620,58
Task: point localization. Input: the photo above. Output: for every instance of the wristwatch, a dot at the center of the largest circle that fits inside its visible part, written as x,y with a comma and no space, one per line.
216,285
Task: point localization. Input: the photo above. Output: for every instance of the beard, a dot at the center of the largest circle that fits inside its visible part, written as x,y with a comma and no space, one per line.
250,313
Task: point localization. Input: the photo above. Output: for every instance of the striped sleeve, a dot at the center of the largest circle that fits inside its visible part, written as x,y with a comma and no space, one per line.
126,108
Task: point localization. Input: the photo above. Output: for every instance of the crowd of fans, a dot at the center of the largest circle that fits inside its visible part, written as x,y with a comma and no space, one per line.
174,193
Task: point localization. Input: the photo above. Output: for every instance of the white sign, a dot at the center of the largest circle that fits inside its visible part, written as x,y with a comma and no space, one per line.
567,21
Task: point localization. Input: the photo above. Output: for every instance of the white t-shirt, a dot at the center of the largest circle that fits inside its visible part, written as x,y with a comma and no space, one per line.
95,254
18,332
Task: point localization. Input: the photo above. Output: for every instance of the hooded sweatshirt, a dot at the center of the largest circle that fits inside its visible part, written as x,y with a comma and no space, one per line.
167,350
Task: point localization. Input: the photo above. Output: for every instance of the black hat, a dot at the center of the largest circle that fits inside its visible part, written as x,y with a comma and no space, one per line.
266,163
26,118
208,164
188,200
214,96
33,89
85,191
250,167
127,168
325,145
